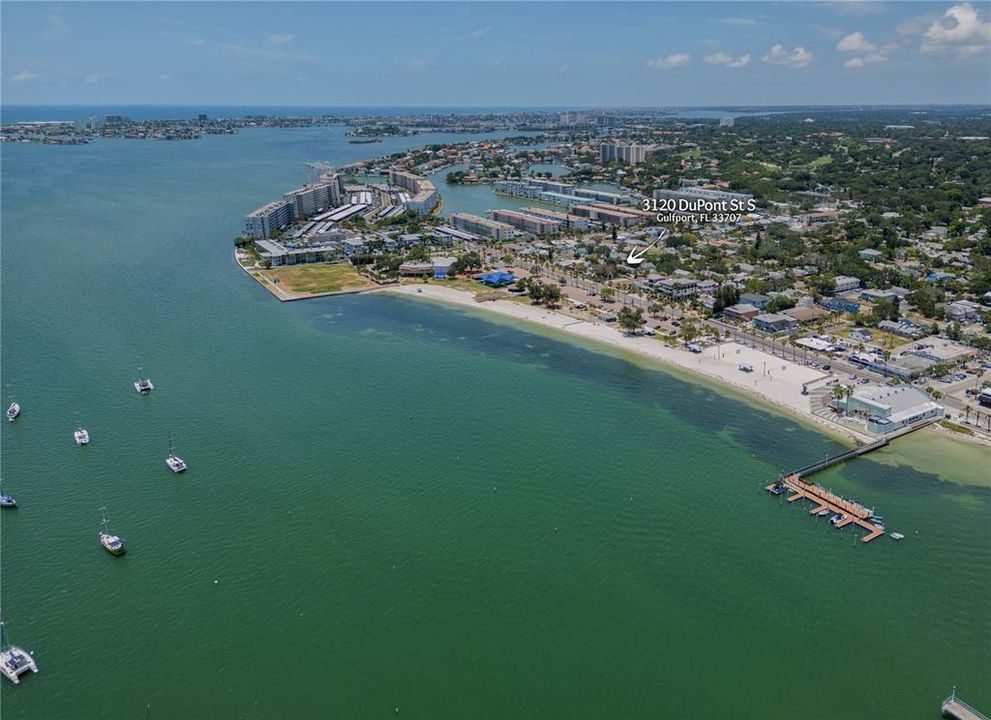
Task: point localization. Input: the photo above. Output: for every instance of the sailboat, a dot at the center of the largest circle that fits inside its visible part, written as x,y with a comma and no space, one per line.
7,501
110,542
176,464
143,385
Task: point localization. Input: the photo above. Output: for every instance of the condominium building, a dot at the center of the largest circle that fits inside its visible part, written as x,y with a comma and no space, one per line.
627,154
264,221
311,200
678,287
528,223
482,226
423,195
572,222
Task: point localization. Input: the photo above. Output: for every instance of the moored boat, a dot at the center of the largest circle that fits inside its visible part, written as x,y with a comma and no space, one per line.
13,411
176,464
824,512
837,519
897,536
110,542
143,385
14,661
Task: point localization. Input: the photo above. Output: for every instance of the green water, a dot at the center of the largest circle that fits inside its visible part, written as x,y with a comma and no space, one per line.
391,504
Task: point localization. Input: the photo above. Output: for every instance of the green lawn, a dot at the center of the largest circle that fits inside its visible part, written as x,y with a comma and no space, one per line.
317,278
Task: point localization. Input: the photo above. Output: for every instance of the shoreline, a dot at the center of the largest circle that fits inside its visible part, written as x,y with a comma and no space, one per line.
716,366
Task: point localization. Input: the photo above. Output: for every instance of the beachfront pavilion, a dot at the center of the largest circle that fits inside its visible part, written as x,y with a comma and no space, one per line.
497,278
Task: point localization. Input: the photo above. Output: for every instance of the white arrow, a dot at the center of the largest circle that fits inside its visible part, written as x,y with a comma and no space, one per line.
636,257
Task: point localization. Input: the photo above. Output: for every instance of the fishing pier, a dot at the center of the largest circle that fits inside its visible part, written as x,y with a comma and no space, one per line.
954,707
845,511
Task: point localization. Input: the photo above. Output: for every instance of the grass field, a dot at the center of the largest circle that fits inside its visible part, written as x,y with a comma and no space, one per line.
316,278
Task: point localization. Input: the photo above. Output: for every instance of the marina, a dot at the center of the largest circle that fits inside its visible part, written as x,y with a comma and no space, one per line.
954,707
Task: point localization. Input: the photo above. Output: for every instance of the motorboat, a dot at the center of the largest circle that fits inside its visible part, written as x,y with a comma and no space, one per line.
13,411
897,536
837,519
81,435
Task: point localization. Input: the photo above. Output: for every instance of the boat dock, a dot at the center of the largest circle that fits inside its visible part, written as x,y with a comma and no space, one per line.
956,708
849,511
14,662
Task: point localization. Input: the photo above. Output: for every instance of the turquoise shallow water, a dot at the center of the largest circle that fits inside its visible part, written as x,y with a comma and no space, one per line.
403,505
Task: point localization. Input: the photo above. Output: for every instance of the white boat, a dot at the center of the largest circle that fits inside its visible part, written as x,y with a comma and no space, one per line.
176,464
823,513
13,411
14,661
7,501
143,385
110,542
82,436
897,536
837,519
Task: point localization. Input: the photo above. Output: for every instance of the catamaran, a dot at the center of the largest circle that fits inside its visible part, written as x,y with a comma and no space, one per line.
13,411
111,543
176,464
143,385
82,436
14,661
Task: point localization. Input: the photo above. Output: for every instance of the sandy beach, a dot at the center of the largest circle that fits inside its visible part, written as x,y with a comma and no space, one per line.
774,381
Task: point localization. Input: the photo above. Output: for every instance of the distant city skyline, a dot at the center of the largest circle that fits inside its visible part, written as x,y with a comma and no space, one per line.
451,54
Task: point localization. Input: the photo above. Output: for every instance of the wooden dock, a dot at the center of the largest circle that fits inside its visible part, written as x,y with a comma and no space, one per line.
823,499
956,708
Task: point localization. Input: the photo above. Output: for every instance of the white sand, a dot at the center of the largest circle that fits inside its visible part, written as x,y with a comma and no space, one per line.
773,380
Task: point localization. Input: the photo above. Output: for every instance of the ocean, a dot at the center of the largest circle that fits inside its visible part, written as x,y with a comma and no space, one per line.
398,508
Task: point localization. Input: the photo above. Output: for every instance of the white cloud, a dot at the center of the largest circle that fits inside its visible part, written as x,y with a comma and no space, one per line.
197,42
797,58
671,61
164,78
855,42
859,62
727,60
960,32
93,78
24,76
868,53
416,64
741,21
479,32
281,38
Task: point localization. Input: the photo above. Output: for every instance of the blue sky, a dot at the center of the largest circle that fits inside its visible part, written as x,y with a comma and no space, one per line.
581,54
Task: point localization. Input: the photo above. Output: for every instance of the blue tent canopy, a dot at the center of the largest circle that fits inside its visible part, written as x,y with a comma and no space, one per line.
498,278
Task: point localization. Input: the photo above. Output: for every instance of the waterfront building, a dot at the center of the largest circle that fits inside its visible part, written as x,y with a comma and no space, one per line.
608,215
572,222
603,196
775,323
423,196
889,408
311,200
265,221
482,227
528,223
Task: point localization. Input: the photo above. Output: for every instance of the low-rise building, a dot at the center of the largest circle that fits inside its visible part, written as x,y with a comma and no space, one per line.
678,287
845,283
482,227
889,408
775,323
741,311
